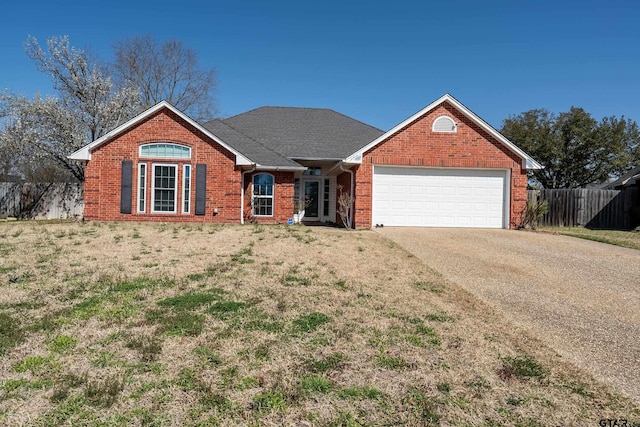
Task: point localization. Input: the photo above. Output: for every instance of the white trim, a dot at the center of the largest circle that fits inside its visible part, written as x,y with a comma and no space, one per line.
527,161
85,152
506,218
142,156
272,196
143,187
153,188
186,192
454,128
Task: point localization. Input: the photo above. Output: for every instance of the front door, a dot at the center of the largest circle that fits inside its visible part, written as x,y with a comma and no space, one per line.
312,200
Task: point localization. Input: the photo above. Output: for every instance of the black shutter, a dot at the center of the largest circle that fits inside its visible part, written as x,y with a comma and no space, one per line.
126,187
201,189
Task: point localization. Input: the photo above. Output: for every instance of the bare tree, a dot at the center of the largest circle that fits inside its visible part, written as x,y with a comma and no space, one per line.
345,207
7,160
86,107
167,71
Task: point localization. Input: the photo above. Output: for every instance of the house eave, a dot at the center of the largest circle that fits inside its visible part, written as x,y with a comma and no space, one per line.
280,168
316,159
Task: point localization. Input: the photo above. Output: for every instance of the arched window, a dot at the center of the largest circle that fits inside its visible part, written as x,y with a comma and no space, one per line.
165,150
444,124
263,194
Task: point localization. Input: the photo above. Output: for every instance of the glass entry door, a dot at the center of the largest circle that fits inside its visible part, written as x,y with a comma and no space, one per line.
312,200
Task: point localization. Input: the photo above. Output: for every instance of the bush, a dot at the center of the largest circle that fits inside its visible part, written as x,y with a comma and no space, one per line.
533,213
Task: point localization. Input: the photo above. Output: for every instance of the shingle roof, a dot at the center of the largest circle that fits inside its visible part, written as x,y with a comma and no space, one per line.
253,150
626,179
269,135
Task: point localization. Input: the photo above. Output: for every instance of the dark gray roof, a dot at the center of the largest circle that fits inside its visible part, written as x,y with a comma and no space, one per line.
267,135
626,179
253,150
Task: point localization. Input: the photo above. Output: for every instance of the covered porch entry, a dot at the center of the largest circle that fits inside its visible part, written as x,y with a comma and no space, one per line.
315,192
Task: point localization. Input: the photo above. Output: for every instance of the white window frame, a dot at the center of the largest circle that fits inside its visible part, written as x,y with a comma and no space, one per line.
153,189
143,155
453,130
142,187
255,196
186,189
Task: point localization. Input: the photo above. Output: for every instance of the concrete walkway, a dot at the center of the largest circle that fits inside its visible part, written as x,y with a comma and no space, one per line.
580,297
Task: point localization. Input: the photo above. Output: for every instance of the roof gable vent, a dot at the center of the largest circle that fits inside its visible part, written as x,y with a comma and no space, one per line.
444,124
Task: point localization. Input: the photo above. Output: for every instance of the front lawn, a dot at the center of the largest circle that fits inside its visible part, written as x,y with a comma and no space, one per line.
627,239
118,324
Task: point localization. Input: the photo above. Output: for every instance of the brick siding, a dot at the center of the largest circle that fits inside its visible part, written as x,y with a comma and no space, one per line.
103,173
417,145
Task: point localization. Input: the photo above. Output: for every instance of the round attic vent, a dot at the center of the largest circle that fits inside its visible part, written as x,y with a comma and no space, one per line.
444,124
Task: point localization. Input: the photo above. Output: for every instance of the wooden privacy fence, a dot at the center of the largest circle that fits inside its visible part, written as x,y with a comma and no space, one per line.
612,209
57,200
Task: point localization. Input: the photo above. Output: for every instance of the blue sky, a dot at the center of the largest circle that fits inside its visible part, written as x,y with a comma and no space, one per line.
378,62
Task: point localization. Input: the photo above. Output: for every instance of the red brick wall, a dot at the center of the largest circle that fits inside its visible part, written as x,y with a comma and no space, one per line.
103,173
418,145
283,195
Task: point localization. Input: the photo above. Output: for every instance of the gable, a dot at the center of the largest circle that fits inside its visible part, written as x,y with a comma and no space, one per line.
165,128
177,116
448,106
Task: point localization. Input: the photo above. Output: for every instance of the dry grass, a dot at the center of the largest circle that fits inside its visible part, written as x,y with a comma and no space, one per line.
162,324
626,239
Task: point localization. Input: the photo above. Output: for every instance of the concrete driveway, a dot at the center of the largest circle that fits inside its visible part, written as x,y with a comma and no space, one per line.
580,297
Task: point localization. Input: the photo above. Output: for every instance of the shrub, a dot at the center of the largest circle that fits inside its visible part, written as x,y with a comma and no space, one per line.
532,213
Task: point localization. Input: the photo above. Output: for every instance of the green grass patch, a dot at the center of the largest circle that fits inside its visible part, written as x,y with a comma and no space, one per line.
269,401
207,355
104,392
7,269
189,301
62,344
180,323
149,347
315,384
226,309
10,333
439,317
88,308
390,362
521,367
434,287
423,406
261,322
329,363
429,333
242,257
34,364
359,393
309,322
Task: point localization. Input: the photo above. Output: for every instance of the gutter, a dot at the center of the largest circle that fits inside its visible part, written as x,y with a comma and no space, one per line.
279,168
253,168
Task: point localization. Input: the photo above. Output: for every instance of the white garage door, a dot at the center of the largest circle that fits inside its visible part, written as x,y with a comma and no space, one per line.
430,197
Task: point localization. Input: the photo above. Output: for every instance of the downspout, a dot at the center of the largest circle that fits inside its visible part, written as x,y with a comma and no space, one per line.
351,195
253,168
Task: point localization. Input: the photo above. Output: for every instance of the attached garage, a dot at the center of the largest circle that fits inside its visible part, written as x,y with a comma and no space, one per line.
440,197
442,167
